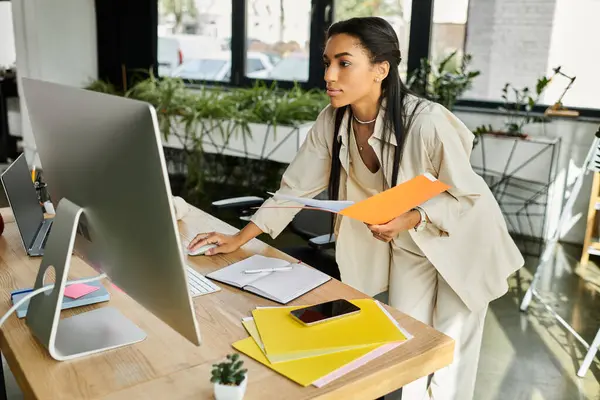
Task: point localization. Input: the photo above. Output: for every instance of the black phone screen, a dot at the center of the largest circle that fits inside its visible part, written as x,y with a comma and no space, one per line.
324,311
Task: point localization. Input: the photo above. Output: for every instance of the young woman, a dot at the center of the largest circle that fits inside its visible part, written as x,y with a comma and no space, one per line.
442,262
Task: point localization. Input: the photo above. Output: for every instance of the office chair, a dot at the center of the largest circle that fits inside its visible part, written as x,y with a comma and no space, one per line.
310,225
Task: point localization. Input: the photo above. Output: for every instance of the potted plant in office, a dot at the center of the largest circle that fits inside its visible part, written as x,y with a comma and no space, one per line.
518,107
445,82
229,378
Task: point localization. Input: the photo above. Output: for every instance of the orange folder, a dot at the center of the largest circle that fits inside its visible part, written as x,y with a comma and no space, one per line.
378,209
389,204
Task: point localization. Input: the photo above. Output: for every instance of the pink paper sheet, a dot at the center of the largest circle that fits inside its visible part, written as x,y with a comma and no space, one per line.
359,362
78,290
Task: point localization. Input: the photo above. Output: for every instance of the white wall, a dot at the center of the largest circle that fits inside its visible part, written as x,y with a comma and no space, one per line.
55,41
575,22
510,42
7,40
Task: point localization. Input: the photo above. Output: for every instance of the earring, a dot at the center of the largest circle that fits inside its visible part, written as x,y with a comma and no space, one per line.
376,79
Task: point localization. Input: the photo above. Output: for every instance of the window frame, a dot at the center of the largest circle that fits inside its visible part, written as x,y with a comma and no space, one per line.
321,17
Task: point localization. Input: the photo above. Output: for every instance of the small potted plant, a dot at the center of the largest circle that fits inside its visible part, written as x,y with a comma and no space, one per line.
229,378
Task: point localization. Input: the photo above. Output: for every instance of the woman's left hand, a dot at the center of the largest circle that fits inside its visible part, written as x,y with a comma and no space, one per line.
387,232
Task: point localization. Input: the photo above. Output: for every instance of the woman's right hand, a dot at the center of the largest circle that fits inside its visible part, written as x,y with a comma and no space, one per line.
225,243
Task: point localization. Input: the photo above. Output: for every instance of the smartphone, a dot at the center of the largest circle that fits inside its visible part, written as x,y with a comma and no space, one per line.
324,312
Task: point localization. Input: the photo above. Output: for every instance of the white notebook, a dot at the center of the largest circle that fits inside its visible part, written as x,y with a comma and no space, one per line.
281,286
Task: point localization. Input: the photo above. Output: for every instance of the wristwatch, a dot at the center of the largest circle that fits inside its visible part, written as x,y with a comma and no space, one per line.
423,222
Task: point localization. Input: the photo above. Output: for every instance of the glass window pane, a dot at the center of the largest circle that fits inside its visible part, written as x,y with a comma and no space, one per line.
194,39
519,42
447,66
396,12
448,30
7,40
278,39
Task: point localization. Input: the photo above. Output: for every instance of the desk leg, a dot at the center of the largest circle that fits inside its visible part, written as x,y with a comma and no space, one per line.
3,395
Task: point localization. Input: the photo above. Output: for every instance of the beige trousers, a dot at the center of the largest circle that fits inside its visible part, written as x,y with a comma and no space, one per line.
419,291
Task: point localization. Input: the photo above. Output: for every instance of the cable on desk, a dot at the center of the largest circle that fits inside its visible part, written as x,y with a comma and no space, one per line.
45,289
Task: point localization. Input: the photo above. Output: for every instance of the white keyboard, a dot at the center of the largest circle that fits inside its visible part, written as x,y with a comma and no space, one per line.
198,284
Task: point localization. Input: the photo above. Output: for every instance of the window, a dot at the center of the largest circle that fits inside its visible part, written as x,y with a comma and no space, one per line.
293,68
7,40
254,65
207,69
518,42
396,12
194,39
278,35
448,31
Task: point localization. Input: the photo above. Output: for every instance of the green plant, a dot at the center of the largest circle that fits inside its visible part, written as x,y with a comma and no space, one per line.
518,106
445,82
519,109
195,115
258,104
229,372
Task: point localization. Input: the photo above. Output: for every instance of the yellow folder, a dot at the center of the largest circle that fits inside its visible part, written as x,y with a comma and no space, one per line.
307,370
286,339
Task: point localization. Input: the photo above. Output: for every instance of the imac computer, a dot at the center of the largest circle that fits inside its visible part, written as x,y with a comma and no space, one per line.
103,161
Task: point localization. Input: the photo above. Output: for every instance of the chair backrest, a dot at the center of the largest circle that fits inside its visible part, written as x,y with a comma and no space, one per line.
311,223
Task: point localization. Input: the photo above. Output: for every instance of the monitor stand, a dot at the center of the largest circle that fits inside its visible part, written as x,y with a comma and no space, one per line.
87,333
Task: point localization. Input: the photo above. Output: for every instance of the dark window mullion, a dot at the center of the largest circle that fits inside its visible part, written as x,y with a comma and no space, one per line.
421,21
238,43
322,17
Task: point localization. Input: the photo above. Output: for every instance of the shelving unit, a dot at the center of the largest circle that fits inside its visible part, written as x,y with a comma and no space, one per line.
521,174
591,242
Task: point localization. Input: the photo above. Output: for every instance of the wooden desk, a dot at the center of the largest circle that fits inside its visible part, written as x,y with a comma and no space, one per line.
166,366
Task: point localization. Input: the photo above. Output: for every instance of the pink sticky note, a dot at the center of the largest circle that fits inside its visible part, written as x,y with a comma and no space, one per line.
79,290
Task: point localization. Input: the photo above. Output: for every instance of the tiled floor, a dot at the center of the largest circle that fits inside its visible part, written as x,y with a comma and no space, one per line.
529,356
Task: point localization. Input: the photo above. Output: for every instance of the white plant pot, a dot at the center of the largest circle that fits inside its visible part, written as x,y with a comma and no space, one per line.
226,392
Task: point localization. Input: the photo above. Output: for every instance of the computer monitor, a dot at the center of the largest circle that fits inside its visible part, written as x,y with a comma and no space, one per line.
104,154
23,200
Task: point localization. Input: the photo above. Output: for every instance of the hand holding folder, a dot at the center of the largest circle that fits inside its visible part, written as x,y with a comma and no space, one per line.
384,206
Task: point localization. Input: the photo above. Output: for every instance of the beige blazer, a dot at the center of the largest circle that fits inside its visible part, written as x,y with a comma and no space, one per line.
467,242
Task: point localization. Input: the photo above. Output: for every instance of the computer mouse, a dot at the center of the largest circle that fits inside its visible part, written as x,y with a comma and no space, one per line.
201,250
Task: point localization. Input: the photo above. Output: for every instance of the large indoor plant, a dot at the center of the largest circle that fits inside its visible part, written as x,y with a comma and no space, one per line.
445,82
208,123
